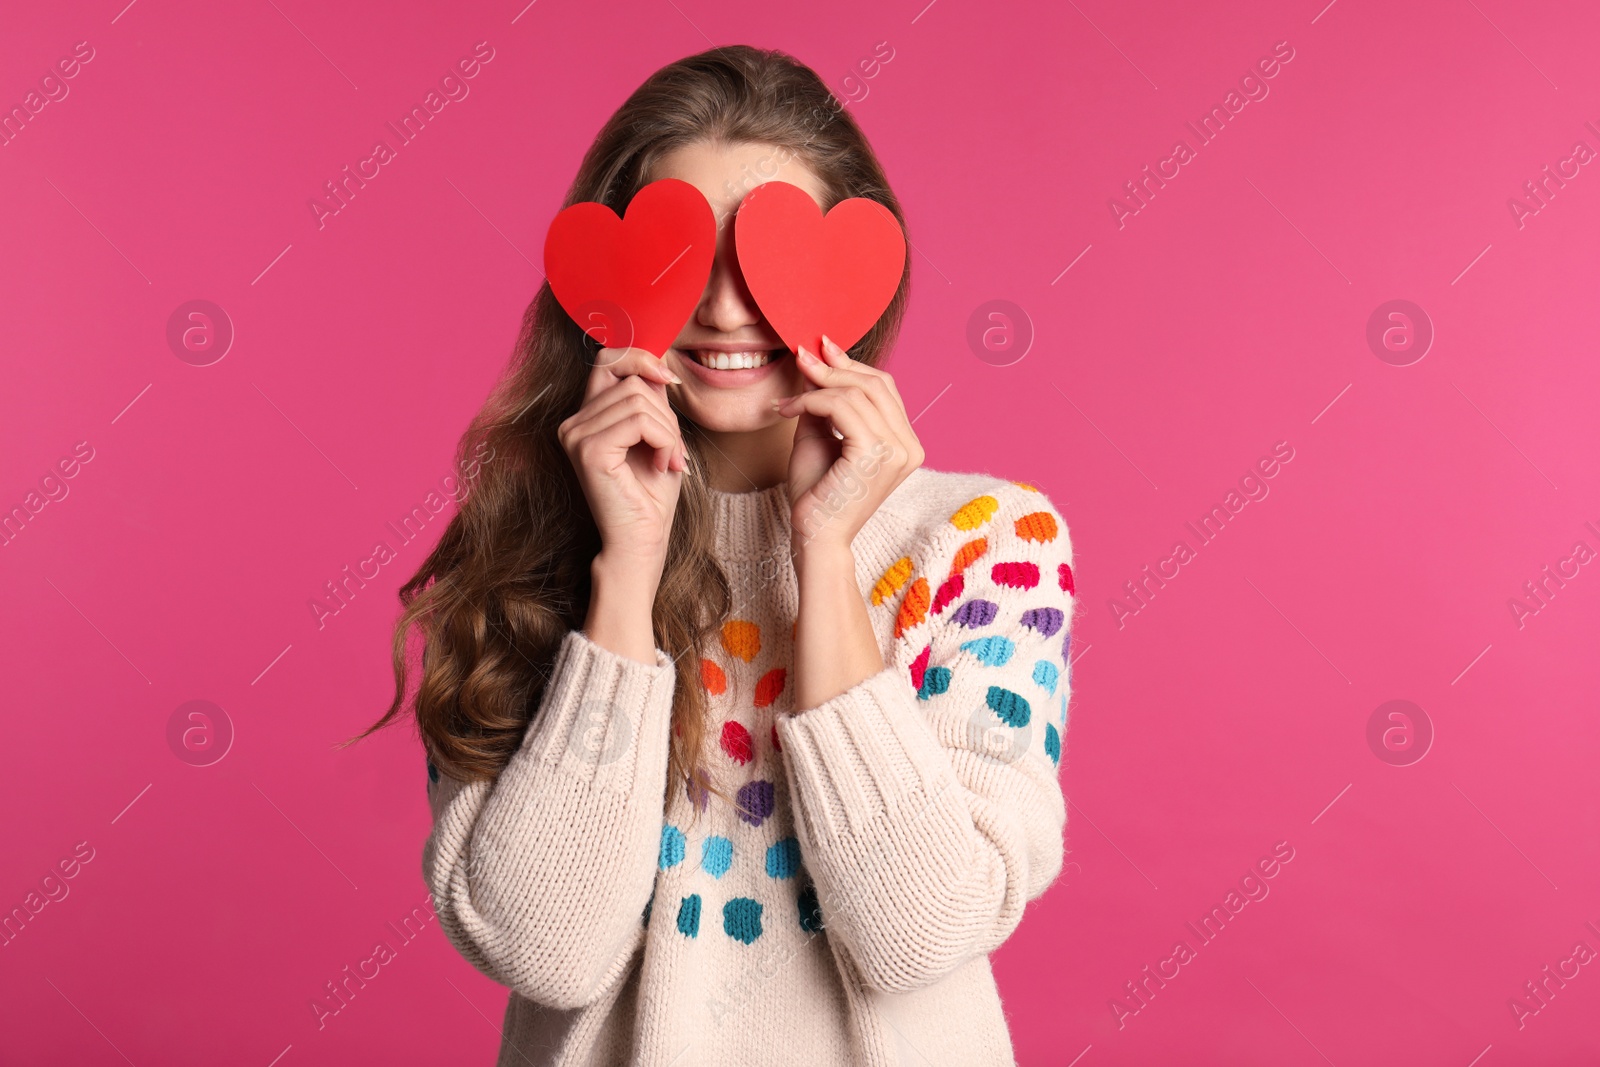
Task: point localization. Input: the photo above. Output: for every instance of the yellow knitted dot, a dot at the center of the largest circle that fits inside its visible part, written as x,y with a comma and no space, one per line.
1025,485
1039,526
741,638
892,580
974,513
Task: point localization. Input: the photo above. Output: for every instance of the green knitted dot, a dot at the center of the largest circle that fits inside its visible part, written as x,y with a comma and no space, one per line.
741,918
689,915
810,910
1013,708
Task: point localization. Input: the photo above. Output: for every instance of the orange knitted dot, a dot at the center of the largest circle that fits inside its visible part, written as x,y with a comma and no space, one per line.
892,580
712,678
974,513
967,553
770,685
1039,526
741,638
914,608
1025,485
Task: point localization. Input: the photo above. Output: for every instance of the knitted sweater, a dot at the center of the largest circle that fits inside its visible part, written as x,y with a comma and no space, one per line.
883,843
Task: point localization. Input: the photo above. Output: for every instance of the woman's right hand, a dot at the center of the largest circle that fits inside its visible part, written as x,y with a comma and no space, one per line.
625,444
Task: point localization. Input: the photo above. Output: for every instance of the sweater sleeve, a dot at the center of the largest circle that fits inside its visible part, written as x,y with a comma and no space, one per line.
928,804
540,877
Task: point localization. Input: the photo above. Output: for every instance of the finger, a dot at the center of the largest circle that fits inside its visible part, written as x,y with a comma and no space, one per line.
879,385
654,391
847,408
614,364
629,429
626,409
881,382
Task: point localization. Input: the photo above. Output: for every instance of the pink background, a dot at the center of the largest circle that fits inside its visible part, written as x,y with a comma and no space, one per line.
1228,314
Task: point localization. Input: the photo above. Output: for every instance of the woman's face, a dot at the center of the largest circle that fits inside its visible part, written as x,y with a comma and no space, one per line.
732,363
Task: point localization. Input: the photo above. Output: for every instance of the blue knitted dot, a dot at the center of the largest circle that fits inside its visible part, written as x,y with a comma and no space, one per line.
1047,674
433,772
810,910
689,915
1012,708
646,917
741,918
993,650
935,680
672,846
783,858
716,856
1052,743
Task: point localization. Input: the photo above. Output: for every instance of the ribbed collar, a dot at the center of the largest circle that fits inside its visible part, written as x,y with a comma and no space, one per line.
752,525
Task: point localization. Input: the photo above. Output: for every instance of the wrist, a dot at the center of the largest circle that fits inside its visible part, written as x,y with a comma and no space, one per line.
817,556
622,608
624,581
639,564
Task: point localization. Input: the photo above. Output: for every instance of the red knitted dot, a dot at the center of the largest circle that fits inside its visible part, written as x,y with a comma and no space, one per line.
770,686
1016,575
919,666
736,742
1064,576
775,743
948,591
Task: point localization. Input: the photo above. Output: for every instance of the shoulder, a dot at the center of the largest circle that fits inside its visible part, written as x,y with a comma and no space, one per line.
941,535
934,506
960,555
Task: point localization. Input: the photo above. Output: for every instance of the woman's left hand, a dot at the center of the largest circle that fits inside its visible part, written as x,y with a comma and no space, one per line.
836,484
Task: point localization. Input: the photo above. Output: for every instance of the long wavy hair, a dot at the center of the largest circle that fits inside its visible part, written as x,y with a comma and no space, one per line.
510,576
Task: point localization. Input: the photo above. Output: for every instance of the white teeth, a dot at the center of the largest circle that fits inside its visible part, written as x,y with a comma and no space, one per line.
732,360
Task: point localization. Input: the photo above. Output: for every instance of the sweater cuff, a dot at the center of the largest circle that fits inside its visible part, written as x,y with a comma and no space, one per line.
863,753
603,716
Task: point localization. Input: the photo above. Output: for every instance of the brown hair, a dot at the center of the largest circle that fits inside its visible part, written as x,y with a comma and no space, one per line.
510,575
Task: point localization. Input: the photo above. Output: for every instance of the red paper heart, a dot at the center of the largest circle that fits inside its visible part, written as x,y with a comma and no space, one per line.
633,281
813,275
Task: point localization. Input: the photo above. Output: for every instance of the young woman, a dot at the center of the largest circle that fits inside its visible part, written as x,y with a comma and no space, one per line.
743,728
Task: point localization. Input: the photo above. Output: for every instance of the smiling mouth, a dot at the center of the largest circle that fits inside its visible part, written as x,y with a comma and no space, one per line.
714,360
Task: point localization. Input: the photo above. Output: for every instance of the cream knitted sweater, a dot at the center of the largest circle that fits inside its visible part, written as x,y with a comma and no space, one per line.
882,845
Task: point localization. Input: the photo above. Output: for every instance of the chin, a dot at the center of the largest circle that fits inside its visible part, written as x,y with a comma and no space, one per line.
728,414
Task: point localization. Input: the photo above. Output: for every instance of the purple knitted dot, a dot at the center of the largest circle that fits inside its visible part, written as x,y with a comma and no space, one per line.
976,612
1046,620
756,801
698,794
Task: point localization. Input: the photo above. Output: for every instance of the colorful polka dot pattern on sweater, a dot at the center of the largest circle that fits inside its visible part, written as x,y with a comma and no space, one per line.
918,597
778,852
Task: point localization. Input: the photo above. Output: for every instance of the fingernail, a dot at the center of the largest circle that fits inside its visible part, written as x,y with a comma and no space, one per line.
805,357
673,378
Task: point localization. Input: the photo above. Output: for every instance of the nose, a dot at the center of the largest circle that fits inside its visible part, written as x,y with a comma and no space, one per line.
727,305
